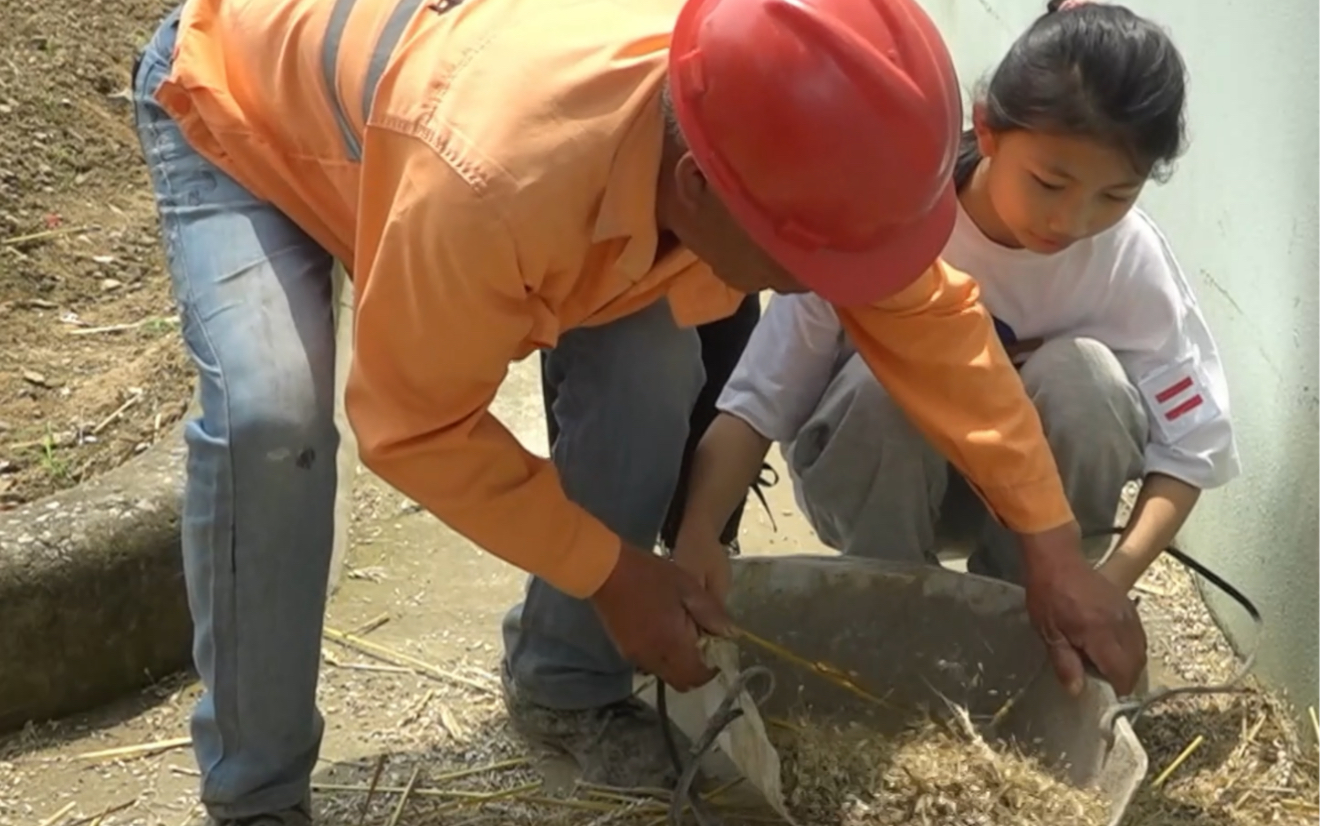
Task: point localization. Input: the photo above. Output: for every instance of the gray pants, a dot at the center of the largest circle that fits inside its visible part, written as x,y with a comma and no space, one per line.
871,485
623,396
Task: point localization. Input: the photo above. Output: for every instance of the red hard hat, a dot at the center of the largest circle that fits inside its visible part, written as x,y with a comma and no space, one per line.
829,128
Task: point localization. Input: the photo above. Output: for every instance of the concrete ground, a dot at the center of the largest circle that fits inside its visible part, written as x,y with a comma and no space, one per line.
412,587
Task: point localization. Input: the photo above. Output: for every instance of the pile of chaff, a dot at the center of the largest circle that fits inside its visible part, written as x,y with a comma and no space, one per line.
934,773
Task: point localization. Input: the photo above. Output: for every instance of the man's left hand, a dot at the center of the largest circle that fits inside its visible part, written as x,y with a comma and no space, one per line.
1080,614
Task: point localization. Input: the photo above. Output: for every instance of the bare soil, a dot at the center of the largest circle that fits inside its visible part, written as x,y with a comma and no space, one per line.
92,369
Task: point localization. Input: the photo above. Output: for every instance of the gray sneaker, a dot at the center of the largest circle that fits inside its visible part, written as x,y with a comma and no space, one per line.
620,745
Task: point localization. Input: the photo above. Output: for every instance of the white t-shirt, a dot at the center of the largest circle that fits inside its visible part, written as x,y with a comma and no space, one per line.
1123,288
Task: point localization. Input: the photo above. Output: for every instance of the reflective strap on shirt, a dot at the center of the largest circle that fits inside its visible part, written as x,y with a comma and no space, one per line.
334,37
384,49
381,52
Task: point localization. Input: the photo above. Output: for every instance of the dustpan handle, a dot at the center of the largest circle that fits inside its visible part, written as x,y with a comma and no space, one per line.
1134,708
684,795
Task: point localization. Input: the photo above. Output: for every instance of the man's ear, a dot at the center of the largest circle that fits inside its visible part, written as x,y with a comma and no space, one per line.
690,183
985,136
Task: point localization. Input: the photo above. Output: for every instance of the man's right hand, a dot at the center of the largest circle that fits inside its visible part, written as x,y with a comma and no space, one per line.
1080,614
654,612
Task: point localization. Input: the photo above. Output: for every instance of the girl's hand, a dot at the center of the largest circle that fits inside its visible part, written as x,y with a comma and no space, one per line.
1122,570
701,554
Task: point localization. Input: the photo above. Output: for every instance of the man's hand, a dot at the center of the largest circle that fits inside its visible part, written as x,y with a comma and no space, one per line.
702,555
1081,614
654,611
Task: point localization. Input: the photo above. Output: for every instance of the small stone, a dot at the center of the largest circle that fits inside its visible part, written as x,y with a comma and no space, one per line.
33,377
109,285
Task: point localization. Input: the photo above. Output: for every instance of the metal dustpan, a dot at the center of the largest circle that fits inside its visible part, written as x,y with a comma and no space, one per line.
918,636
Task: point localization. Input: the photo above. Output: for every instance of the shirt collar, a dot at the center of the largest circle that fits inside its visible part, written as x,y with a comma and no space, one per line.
627,207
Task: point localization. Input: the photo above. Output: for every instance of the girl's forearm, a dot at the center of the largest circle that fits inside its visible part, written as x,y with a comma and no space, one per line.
1160,511
725,464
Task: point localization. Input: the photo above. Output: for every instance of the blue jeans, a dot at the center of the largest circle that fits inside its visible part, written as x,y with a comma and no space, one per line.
254,293
623,395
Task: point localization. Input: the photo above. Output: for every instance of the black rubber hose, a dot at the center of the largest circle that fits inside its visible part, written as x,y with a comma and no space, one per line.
1140,706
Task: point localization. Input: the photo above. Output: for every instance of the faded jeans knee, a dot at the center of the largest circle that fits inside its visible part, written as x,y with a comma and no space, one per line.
1094,421
868,481
624,393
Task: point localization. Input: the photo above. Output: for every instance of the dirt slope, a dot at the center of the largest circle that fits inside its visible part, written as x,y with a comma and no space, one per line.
78,251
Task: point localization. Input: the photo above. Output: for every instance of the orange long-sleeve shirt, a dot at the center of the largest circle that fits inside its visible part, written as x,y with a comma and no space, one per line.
487,173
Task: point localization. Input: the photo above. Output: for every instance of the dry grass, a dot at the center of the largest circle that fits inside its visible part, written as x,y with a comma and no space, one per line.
934,774
434,743
1249,770
448,746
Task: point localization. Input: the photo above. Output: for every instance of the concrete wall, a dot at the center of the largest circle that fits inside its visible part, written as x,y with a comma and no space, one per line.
1241,212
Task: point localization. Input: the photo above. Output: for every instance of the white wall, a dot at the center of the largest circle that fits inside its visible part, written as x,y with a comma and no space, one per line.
1241,212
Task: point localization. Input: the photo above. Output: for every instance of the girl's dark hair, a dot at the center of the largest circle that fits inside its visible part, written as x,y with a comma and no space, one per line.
1095,70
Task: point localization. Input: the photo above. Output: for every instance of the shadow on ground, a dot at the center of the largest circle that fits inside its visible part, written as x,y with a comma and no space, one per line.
157,700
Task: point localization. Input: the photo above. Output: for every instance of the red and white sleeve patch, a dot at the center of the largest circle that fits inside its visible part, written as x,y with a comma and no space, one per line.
1178,399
